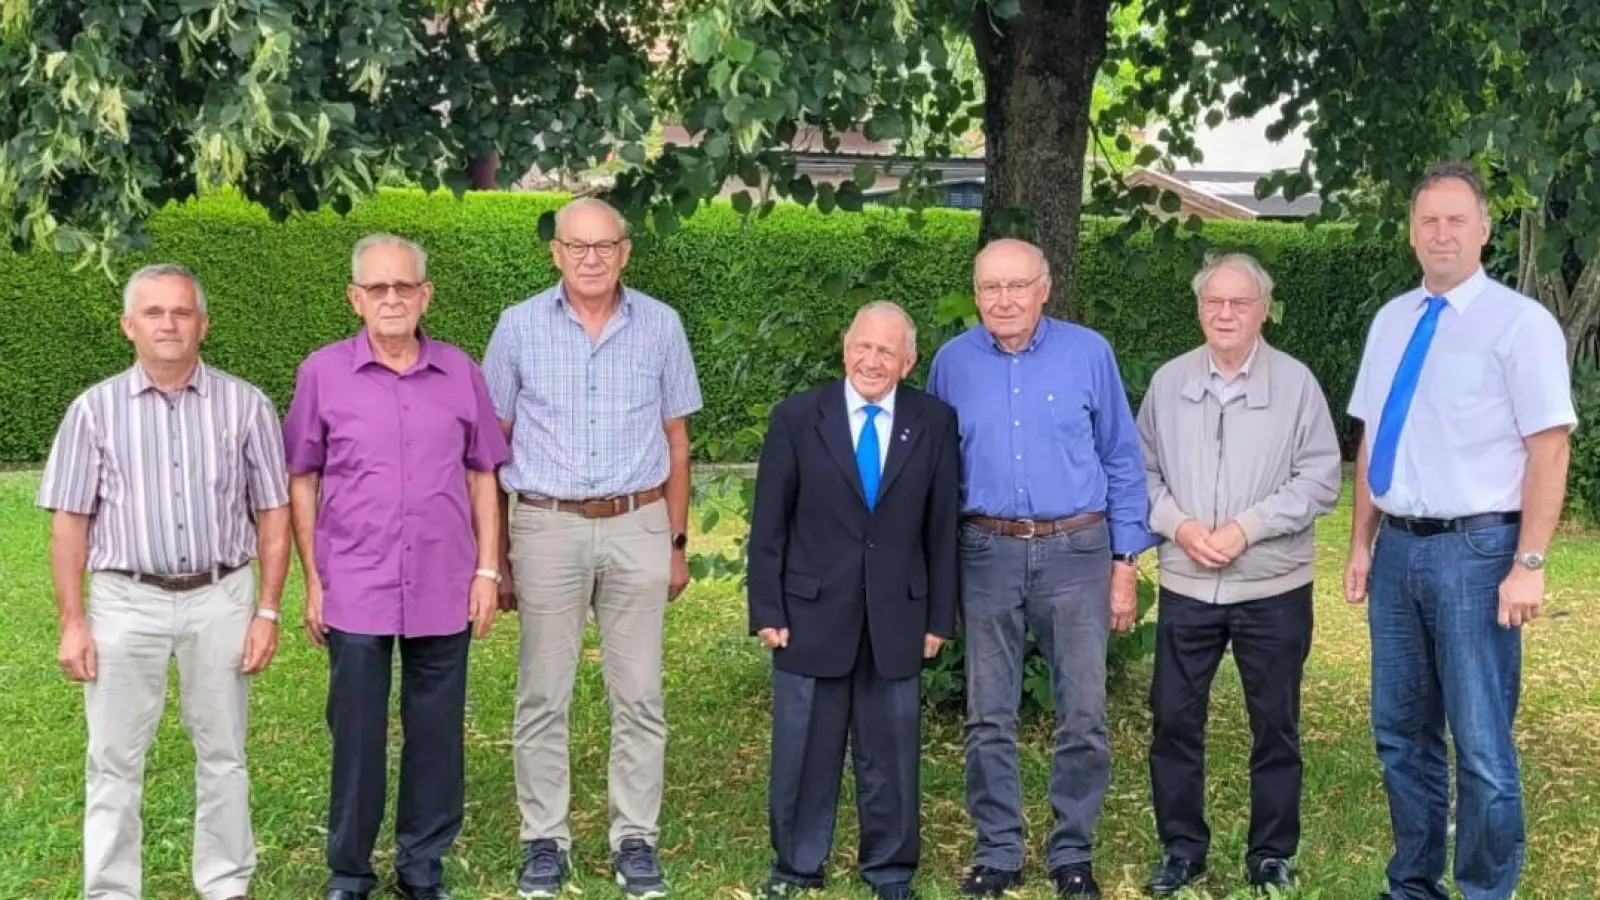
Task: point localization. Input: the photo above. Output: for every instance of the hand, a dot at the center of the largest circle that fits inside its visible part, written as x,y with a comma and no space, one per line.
508,589
680,575
1521,596
1124,596
260,643
930,645
1194,539
76,655
483,598
1229,541
316,629
1356,572
774,638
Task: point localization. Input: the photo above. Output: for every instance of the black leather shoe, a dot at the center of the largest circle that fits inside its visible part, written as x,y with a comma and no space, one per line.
1075,880
412,892
1265,873
1173,875
987,881
899,891
342,894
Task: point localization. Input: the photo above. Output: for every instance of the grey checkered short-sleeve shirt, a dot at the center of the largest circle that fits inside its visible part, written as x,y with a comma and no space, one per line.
170,481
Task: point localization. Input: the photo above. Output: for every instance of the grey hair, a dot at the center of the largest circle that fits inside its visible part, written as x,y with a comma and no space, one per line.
1242,263
582,203
1454,170
887,307
387,240
1034,249
163,270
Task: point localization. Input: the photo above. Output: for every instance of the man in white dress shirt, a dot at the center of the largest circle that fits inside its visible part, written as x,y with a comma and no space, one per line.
1467,404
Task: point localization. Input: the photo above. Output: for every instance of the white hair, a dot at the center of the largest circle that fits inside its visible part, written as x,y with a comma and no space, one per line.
419,255
1244,264
163,270
582,203
1034,249
890,308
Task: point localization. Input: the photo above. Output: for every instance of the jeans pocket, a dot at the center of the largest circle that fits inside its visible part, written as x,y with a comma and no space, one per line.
972,539
1494,542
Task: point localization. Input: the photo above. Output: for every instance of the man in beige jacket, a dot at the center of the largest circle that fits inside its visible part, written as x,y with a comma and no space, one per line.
1240,458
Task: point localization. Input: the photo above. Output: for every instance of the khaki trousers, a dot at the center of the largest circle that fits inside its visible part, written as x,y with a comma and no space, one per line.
564,564
137,630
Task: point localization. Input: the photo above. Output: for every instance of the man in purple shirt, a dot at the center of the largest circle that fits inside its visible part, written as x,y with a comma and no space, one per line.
402,546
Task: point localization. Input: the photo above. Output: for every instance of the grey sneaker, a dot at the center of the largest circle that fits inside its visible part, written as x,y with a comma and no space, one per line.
638,872
544,870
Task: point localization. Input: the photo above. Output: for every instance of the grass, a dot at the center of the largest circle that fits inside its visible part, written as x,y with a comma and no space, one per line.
714,820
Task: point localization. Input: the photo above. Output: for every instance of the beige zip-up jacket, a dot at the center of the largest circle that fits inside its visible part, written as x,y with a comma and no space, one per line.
1268,459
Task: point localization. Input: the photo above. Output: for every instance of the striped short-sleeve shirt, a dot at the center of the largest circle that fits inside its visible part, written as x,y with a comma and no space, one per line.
171,481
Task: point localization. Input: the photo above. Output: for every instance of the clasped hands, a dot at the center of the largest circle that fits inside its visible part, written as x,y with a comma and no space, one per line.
778,638
1208,548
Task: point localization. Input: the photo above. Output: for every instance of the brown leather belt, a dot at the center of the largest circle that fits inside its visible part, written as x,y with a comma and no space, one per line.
1031,528
191,582
599,508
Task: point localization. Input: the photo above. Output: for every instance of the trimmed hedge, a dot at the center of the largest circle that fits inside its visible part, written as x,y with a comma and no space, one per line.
276,292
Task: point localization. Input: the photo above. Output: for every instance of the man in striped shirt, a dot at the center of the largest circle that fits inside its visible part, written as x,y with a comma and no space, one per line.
164,481
594,384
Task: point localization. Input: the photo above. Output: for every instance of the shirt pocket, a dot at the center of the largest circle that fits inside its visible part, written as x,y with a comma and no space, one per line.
1071,426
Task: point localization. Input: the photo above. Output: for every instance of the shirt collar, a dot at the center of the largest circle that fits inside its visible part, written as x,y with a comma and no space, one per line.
854,402
1257,381
362,355
199,380
1461,296
1039,332
1244,370
624,297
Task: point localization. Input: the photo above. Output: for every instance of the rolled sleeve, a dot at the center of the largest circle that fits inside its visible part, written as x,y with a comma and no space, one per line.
680,386
500,366
304,431
266,478
1117,442
1538,377
486,442
71,479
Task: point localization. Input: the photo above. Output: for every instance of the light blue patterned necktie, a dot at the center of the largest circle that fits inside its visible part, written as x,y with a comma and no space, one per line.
867,456
1380,474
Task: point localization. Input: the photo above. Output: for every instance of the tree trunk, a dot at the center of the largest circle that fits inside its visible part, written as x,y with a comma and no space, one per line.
1039,71
1577,307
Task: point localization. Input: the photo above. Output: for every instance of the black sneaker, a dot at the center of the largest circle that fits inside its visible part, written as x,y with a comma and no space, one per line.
544,870
638,872
1075,880
987,881
1173,875
1265,873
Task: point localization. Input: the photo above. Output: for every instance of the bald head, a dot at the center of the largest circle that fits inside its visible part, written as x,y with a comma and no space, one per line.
1011,282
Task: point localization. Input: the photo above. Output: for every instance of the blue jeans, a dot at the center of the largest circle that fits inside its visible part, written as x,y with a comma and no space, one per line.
1439,657
1058,587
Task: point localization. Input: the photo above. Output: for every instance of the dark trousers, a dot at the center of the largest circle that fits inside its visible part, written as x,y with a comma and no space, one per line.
1271,639
433,696
812,718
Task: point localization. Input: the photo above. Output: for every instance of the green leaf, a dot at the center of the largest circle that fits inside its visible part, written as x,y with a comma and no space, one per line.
710,520
835,284
865,175
1170,202
849,197
741,203
739,50
716,146
632,154
547,225
1148,154
702,40
826,200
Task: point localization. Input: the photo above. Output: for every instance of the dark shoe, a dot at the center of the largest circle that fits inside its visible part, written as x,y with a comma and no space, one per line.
1265,873
778,889
899,891
342,894
1173,875
1075,880
544,870
413,892
638,872
987,881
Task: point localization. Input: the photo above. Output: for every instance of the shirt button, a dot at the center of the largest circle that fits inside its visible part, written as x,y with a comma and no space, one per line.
1019,456
1016,390
1017,423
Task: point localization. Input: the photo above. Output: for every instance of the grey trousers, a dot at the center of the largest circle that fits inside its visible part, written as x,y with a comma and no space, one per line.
137,631
564,564
1058,587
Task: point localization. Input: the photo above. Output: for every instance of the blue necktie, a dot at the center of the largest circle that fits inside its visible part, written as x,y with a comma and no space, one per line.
1380,473
867,456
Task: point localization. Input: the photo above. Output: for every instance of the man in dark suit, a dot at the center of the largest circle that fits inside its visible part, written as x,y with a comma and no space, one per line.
852,585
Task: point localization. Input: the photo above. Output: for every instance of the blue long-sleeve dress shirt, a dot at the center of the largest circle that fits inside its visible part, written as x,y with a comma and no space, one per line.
1046,432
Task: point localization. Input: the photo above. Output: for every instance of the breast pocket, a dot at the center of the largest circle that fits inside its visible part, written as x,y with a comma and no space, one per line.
1071,426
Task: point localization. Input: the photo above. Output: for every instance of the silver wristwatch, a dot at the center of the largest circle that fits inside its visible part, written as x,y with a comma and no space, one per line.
1531,560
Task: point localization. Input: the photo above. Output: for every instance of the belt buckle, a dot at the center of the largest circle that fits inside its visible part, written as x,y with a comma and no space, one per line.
1033,528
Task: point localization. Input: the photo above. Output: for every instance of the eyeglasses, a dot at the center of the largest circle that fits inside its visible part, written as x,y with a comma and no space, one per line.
1015,288
405,290
580,249
1238,304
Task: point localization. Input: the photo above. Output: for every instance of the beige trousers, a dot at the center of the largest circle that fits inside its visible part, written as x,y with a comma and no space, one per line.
137,630
564,564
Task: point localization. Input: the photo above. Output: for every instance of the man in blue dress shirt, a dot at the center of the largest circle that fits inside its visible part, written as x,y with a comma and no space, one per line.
1054,511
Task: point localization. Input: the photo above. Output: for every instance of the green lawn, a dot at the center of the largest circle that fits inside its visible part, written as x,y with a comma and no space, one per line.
715,843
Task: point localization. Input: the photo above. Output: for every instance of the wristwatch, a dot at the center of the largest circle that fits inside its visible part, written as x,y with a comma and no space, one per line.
1531,560
271,615
680,540
490,574
1131,559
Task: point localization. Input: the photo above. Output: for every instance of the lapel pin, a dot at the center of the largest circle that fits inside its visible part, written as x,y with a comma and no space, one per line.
905,434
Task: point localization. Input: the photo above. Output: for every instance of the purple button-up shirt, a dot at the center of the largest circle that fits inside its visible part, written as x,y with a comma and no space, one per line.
395,546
